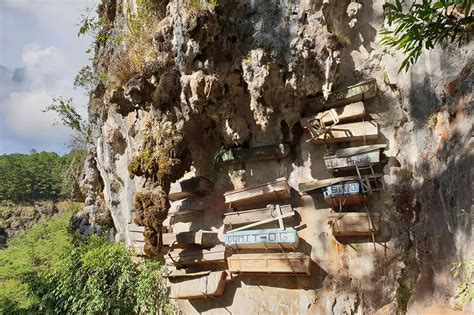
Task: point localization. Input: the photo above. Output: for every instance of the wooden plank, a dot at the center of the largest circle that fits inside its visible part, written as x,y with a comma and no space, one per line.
262,239
254,215
136,236
350,157
135,228
189,204
203,238
286,263
354,111
268,152
364,130
317,184
252,225
354,223
278,191
354,93
192,187
189,257
183,273
212,284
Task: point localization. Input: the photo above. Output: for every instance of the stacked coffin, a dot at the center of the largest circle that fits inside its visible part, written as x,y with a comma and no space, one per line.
345,121
262,239
193,255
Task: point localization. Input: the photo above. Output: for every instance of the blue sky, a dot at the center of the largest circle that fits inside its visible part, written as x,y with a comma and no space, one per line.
40,54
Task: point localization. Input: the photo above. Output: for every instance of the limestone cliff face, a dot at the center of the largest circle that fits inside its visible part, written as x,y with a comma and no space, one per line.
243,73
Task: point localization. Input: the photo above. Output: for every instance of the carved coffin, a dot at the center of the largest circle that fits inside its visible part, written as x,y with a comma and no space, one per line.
358,92
267,152
354,223
310,186
355,111
190,257
283,263
277,191
344,193
255,215
198,286
358,131
203,238
262,239
350,157
192,187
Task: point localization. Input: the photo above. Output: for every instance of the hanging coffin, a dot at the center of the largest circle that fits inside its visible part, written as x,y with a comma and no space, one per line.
350,157
344,194
278,263
262,239
355,224
358,131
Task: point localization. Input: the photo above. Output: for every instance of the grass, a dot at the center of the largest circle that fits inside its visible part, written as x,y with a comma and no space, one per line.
38,249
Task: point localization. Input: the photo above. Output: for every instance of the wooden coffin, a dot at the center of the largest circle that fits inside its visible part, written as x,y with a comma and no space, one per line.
358,131
355,111
310,186
277,191
283,263
190,257
354,93
189,204
262,239
255,215
200,286
267,152
345,193
203,238
192,187
136,238
350,157
354,223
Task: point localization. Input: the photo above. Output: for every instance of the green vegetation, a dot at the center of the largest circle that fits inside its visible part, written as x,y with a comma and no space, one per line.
43,175
48,270
464,271
39,249
426,24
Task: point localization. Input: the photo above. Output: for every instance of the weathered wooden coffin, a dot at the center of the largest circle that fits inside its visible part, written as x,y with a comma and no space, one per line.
350,157
201,286
277,191
354,93
345,193
255,215
203,238
136,238
190,257
318,184
189,204
354,223
284,263
267,152
192,187
355,111
364,130
262,239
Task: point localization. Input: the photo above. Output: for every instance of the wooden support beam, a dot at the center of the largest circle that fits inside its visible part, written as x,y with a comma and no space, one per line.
254,215
354,223
190,257
192,187
350,157
358,131
354,93
262,239
268,152
351,112
277,191
202,286
285,263
203,238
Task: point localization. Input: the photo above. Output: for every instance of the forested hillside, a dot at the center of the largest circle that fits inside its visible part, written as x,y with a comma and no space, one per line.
40,175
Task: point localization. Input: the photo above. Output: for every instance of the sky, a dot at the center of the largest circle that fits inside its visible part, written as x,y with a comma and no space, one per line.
40,54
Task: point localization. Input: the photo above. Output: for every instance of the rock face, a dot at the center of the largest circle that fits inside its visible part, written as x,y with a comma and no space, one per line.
244,73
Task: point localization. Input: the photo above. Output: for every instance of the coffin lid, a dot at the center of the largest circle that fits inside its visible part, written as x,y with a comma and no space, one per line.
312,185
356,150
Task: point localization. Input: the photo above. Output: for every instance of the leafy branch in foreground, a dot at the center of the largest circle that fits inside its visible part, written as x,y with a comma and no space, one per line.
68,114
426,24
464,271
